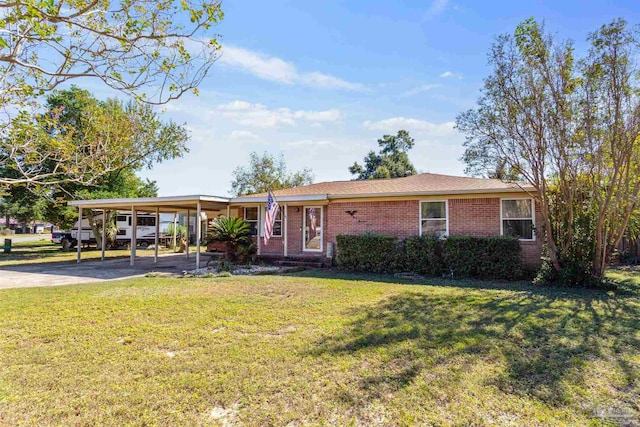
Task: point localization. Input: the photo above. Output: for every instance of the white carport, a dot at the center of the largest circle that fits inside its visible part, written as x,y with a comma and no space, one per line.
171,204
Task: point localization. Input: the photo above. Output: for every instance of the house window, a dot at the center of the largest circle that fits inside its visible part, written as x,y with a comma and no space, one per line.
517,218
277,224
433,219
251,216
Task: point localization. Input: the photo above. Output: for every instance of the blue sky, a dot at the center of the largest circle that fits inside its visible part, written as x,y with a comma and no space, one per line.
322,81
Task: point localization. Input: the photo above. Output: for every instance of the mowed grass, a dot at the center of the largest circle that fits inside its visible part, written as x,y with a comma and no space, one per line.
39,251
319,349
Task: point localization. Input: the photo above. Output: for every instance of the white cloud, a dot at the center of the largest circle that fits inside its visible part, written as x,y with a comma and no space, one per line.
278,70
394,124
451,75
265,67
243,135
328,81
436,8
258,115
421,88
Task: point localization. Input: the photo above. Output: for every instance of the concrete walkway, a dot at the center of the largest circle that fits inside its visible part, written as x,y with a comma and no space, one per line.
91,271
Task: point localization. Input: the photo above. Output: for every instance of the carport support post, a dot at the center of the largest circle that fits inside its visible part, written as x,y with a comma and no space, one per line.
79,234
198,233
134,234
188,231
155,254
104,233
175,229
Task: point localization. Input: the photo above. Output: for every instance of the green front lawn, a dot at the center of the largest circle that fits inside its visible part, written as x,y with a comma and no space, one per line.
319,349
36,252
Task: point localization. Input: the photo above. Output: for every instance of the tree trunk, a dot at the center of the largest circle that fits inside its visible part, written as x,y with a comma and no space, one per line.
97,231
230,254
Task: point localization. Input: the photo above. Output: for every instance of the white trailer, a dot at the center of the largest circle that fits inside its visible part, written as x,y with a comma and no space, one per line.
145,233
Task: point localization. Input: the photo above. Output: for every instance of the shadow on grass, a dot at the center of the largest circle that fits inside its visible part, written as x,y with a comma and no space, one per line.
627,287
543,337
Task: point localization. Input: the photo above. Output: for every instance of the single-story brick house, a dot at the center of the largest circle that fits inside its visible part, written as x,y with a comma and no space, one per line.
312,216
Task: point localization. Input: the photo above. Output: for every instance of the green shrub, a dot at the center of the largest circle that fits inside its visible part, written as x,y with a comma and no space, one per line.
422,254
483,257
234,232
367,252
546,275
475,257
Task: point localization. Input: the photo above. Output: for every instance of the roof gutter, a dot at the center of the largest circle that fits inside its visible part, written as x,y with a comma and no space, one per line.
148,200
430,193
263,199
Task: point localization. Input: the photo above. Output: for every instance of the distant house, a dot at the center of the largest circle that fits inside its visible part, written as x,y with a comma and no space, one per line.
426,204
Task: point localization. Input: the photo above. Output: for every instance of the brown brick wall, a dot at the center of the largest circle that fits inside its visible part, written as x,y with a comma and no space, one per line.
393,218
478,217
474,217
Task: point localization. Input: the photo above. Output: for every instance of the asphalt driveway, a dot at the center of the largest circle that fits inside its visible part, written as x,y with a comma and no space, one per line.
91,271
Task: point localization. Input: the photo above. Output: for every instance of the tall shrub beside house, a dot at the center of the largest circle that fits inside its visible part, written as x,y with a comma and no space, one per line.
367,252
422,254
491,258
483,257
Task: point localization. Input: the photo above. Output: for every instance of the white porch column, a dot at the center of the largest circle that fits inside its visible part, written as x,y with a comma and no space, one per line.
79,235
188,230
285,231
198,233
134,234
157,238
104,233
175,229
228,211
258,229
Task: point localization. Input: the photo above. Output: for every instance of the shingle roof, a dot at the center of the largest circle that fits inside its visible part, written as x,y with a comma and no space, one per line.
425,183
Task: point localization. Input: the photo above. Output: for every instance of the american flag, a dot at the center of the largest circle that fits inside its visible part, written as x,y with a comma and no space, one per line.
270,217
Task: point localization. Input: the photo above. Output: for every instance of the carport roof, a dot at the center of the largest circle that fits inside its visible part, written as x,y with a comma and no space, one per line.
164,204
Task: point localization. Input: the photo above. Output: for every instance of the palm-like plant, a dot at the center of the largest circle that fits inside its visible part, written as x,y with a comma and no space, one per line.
233,232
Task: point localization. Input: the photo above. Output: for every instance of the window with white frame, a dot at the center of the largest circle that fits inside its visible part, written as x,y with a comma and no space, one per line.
517,218
277,224
251,216
433,218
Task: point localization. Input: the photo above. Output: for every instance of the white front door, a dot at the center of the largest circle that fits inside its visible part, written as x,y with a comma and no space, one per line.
312,229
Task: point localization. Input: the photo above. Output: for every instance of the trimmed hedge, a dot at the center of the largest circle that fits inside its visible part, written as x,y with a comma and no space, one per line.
422,254
367,252
463,256
483,257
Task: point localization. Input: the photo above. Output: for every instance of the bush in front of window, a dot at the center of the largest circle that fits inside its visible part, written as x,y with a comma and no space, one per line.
489,258
483,257
423,255
367,252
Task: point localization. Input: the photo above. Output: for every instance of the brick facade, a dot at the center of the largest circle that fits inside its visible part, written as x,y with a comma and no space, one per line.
392,218
474,217
478,217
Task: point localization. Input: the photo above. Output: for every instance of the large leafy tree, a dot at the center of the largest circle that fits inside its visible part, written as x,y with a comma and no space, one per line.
267,173
136,129
153,51
392,161
571,129
23,205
